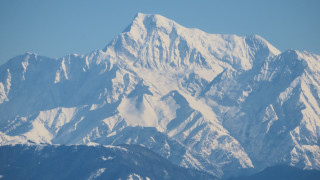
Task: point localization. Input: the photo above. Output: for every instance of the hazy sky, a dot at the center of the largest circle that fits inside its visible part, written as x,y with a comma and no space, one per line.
58,27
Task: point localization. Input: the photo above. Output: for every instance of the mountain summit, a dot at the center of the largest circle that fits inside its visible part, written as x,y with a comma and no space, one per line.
153,41
222,104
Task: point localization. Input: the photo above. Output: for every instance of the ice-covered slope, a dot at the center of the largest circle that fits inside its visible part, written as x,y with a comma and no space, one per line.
217,103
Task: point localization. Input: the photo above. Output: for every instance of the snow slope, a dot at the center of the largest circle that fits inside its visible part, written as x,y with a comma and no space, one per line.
223,104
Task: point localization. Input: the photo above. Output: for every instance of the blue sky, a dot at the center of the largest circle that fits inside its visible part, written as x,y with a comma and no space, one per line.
58,27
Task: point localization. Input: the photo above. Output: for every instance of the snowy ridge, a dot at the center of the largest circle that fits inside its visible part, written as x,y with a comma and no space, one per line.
217,103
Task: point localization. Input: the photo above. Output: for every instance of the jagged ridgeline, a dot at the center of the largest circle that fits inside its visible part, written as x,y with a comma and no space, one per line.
222,104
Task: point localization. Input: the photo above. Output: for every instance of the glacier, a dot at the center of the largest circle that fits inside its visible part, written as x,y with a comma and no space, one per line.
222,104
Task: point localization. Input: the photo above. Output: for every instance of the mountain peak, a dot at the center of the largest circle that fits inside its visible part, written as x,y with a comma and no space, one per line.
153,41
256,39
144,16
154,18
149,22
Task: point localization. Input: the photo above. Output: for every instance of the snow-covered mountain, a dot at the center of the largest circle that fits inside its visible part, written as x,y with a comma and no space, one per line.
223,104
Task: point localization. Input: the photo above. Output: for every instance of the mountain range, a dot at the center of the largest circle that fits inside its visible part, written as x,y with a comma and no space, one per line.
223,104
89,162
